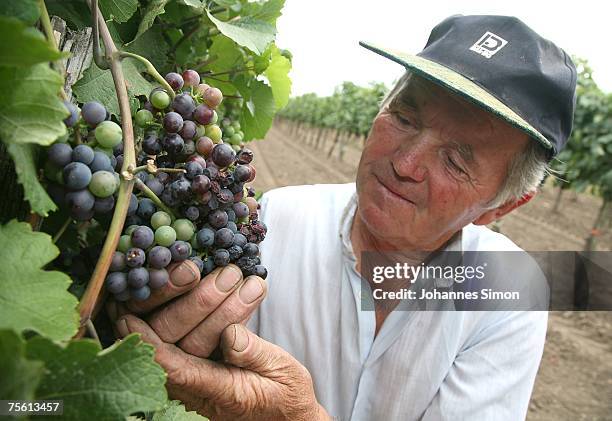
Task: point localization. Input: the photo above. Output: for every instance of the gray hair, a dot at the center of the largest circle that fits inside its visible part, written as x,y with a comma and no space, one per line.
526,170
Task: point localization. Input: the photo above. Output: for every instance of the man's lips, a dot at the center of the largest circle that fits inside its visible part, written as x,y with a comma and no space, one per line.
393,191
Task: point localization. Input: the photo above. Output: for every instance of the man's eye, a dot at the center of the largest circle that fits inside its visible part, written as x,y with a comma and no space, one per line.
402,119
455,166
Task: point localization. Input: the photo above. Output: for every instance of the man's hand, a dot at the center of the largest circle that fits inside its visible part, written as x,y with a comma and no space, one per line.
193,313
258,381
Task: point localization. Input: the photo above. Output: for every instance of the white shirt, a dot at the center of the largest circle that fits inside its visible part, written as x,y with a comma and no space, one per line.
422,365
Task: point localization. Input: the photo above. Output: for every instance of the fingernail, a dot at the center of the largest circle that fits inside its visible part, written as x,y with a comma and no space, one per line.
251,290
184,274
228,277
241,339
122,327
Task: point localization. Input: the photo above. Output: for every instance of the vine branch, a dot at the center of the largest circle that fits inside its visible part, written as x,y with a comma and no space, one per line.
150,70
92,295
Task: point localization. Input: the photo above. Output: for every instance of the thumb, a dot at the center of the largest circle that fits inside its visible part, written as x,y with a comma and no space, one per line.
242,348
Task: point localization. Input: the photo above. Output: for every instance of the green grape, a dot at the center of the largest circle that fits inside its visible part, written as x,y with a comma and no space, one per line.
229,131
226,122
200,131
214,132
143,117
125,243
194,242
236,124
214,118
160,100
129,230
184,229
106,151
236,138
165,236
160,219
108,134
236,148
103,184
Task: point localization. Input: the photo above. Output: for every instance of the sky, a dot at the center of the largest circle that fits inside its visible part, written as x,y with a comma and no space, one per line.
323,35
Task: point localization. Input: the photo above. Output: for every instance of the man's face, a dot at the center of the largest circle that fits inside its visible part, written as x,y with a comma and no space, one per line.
430,165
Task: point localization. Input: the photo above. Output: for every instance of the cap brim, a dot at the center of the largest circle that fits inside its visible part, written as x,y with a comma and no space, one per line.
461,85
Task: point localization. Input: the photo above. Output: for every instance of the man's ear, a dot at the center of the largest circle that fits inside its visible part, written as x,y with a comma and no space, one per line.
493,214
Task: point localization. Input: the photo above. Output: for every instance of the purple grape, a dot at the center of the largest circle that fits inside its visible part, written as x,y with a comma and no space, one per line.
211,172
59,154
117,262
83,153
80,201
224,238
205,238
193,169
151,145
140,294
118,163
146,209
155,185
221,257
208,266
174,80
184,105
200,184
235,252
223,155
250,250
159,257
133,206
261,271
173,122
240,240
72,119
203,114
218,219
93,113
241,210
189,130
198,262
143,237
158,278
191,78
192,213
180,251
232,227
242,173
116,282
104,205
163,177
225,197
138,277
76,175
173,143
100,162
135,257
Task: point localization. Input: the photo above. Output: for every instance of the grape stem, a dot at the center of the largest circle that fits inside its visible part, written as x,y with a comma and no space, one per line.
91,329
45,22
92,296
100,59
156,170
151,70
62,229
151,195
245,69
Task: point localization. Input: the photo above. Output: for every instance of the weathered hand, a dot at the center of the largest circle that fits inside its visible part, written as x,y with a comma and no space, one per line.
257,381
199,310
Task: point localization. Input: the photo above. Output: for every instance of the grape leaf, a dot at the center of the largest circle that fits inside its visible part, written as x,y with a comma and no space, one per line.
278,76
32,298
20,376
250,33
154,9
118,10
175,411
103,384
158,56
258,111
98,85
27,175
23,45
25,10
269,11
227,55
74,12
30,110
195,4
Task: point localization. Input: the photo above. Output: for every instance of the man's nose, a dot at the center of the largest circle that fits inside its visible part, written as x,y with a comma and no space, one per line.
410,160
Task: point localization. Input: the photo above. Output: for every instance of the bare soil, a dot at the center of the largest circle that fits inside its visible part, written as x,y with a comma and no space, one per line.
574,381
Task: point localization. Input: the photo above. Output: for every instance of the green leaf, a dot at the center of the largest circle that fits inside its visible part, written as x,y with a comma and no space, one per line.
30,110
158,56
195,4
97,85
32,298
100,384
248,32
27,174
23,45
258,112
25,10
74,12
278,76
269,11
175,411
118,10
227,53
153,10
20,376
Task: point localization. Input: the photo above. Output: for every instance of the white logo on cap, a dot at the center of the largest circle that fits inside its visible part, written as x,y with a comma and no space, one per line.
488,44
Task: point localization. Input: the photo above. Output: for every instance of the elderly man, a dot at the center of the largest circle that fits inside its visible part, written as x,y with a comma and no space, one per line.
461,140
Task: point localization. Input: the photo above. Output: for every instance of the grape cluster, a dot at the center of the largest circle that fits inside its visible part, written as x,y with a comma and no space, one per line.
83,179
209,214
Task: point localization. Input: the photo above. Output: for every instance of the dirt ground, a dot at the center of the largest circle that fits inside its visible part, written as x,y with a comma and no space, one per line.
574,381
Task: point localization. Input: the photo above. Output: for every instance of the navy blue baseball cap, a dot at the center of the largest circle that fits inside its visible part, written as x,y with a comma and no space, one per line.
503,66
